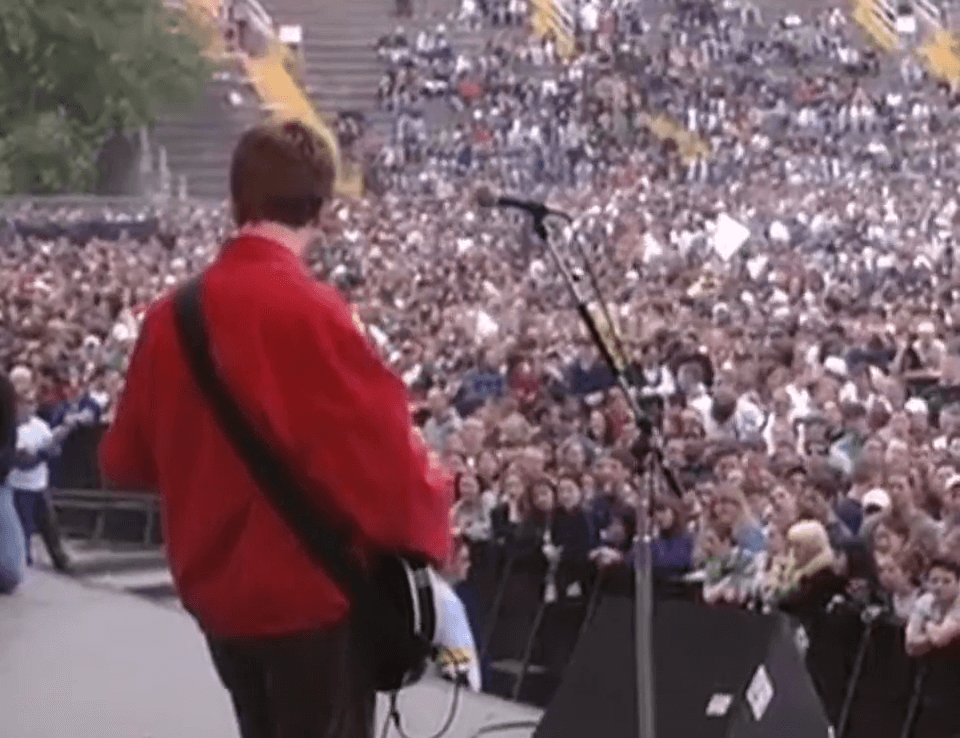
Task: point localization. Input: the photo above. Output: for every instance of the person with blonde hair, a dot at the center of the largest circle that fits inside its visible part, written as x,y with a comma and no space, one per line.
812,579
777,565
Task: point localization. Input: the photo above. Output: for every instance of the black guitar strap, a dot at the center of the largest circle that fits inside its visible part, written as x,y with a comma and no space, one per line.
327,547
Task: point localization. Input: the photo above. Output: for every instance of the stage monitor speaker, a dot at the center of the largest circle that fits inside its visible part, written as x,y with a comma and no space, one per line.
718,673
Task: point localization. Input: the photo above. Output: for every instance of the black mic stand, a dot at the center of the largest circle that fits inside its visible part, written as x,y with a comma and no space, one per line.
649,457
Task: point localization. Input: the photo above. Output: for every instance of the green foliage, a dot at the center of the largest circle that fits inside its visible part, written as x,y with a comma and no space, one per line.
46,154
72,69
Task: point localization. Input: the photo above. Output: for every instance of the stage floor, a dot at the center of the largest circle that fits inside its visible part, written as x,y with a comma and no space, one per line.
78,661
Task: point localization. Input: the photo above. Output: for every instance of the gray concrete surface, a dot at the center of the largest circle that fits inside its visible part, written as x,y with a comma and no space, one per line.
78,661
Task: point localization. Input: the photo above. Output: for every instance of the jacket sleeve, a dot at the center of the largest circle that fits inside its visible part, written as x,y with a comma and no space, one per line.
126,461
346,417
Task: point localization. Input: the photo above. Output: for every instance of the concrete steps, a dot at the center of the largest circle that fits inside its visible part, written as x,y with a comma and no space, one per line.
341,70
341,73
199,140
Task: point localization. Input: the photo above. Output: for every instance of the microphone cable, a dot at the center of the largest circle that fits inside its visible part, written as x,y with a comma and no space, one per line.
394,717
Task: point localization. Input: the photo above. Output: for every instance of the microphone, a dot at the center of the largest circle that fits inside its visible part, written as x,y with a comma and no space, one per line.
486,197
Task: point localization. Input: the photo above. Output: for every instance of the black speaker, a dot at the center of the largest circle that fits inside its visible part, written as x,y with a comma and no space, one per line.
718,673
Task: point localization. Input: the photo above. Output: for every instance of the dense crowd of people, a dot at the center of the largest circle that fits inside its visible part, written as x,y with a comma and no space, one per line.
805,413
786,306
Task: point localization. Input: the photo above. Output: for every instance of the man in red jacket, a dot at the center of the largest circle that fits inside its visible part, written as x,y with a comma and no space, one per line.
279,630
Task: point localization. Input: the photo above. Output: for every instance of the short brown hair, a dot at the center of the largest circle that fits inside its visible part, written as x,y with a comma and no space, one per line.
282,173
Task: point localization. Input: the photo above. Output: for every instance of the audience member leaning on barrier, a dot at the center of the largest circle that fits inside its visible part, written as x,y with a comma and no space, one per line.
935,620
13,550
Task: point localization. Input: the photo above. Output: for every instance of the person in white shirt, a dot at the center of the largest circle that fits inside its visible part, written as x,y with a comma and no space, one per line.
30,475
590,22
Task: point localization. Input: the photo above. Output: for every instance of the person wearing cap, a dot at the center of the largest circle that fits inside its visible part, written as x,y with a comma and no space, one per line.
918,414
875,502
848,446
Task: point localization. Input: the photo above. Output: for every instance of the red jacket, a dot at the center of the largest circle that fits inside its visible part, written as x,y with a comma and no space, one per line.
290,352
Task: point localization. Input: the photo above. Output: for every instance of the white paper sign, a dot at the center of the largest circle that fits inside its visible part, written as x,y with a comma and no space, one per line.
651,248
756,265
907,25
291,34
729,236
486,326
779,233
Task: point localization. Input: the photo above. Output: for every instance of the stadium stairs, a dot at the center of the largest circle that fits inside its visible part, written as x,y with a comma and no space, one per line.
342,71
936,46
198,141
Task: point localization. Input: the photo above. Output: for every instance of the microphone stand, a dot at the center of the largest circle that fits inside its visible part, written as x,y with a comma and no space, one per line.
652,472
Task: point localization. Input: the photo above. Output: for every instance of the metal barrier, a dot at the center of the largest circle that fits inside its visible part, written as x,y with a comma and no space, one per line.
106,516
868,685
528,616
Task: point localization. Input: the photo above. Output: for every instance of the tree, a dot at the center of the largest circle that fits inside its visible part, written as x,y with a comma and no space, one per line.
70,70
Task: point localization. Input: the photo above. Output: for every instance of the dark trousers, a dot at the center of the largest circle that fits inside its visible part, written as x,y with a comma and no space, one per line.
316,684
35,509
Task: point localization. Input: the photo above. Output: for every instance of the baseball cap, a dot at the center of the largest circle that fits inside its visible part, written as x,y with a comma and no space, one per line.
877,500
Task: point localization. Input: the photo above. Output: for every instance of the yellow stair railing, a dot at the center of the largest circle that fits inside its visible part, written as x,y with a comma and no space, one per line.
874,17
940,56
690,145
279,92
555,18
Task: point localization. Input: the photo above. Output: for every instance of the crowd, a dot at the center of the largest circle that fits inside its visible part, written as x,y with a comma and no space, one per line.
786,306
808,401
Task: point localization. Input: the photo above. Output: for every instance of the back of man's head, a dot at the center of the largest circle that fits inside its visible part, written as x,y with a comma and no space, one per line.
281,173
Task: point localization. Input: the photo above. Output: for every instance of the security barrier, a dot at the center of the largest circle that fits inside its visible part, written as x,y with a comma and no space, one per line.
868,685
527,616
